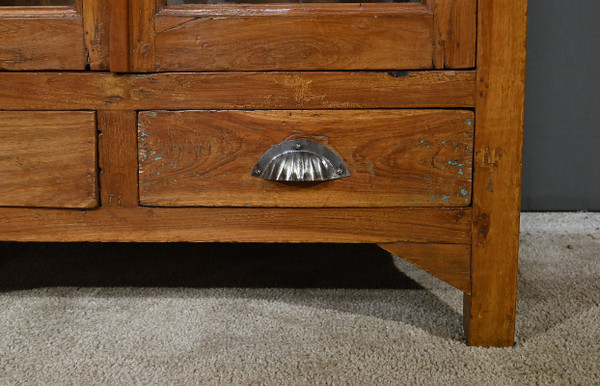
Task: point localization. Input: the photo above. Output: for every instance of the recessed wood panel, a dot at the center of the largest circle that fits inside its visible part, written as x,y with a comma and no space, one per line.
48,159
395,157
37,41
305,37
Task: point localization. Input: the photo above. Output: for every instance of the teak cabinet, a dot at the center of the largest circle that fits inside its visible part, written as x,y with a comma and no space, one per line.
396,123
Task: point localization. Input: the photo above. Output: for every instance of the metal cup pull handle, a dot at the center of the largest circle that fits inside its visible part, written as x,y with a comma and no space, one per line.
300,161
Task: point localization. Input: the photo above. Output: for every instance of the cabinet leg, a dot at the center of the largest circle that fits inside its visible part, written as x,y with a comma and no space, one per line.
489,317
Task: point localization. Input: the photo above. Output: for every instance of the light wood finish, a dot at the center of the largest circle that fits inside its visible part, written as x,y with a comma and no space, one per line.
48,159
36,40
350,225
395,157
490,310
141,22
118,158
448,262
97,33
318,42
285,90
455,33
119,35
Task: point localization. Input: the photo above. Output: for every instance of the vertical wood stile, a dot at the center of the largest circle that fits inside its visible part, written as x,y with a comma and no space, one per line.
141,24
96,33
119,35
490,309
118,158
454,32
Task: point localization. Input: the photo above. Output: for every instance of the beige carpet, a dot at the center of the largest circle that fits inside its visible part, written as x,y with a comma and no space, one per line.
107,314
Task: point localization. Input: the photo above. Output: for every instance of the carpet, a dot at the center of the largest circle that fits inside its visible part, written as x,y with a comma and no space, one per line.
315,314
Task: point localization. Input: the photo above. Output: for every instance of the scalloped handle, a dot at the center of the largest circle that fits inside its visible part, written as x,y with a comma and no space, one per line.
300,161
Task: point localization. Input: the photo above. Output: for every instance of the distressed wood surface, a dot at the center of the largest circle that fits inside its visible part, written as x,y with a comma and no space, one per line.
448,262
141,22
455,32
38,42
96,23
490,310
117,158
395,157
294,9
48,159
280,90
316,42
119,35
348,225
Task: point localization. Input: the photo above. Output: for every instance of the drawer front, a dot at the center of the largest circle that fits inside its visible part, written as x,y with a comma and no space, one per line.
48,159
394,157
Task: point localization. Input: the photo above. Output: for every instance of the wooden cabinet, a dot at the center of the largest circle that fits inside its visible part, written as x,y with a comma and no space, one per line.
421,101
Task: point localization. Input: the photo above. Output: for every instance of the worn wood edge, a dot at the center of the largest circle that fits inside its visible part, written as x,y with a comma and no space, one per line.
490,310
97,34
278,90
455,33
141,35
237,225
305,9
56,12
447,262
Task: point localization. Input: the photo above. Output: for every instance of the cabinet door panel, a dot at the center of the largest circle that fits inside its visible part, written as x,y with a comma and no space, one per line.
324,35
41,38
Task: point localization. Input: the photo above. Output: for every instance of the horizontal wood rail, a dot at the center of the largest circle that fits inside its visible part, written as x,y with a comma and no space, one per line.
348,225
237,90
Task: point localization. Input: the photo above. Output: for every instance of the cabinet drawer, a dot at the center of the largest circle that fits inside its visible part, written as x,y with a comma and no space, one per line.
394,157
48,159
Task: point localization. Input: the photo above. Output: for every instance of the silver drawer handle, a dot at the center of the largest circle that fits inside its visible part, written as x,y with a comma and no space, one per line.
300,161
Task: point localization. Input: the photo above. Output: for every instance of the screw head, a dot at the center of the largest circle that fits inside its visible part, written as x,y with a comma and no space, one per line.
298,146
339,171
257,171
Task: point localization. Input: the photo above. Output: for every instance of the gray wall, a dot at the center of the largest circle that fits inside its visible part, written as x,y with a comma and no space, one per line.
561,155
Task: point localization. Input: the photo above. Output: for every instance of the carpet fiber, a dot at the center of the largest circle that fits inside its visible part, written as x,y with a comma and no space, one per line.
241,314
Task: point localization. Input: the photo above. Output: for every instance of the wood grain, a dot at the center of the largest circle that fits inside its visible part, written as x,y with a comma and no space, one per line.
48,159
97,33
42,43
118,158
448,262
318,42
455,33
490,310
293,9
349,225
119,35
395,157
285,90
141,22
